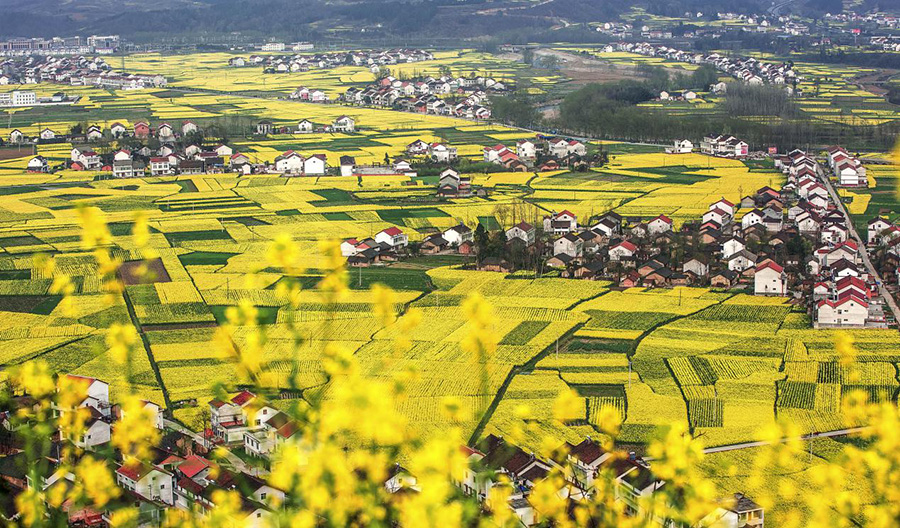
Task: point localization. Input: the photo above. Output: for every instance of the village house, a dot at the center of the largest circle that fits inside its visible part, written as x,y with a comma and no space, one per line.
147,481
560,223
849,310
741,261
344,124
738,511
160,166
129,168
769,279
265,127
698,267
289,163
874,228
117,130
522,231
569,244
724,146
141,130
392,236
269,434
433,244
660,224
622,250
229,419
682,146
94,133
441,153
189,127
315,165
458,235
452,184
526,149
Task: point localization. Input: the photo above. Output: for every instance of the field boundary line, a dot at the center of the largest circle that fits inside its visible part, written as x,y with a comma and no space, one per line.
146,344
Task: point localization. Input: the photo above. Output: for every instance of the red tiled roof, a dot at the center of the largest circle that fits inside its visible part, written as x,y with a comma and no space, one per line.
193,465
664,218
135,472
468,451
627,245
242,398
847,282
842,301
392,231
171,459
768,263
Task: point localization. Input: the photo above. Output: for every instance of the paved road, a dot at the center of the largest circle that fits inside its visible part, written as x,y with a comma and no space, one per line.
864,253
236,463
804,438
762,443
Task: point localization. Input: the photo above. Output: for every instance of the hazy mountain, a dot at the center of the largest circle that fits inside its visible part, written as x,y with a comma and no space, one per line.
306,18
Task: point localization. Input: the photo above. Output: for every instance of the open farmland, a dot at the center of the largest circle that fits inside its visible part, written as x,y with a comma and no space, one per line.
725,363
210,234
210,71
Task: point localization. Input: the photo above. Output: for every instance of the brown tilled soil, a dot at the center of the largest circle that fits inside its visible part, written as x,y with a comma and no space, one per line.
12,153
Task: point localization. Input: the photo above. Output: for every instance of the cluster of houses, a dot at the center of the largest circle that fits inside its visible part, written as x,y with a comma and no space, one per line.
879,18
837,257
451,184
586,467
886,43
294,163
176,474
179,473
169,158
787,25
554,152
848,170
309,95
75,71
435,151
386,246
723,146
431,95
74,45
390,244
18,98
752,244
749,70
373,59
342,124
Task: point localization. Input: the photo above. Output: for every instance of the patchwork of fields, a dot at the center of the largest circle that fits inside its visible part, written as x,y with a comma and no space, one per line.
727,364
831,93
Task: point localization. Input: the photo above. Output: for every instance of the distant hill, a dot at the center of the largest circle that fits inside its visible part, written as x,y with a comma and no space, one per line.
304,19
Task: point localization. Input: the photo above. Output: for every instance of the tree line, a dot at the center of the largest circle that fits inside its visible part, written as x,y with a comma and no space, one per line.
610,111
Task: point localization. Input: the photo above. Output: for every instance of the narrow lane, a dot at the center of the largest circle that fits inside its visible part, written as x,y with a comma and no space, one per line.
864,252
